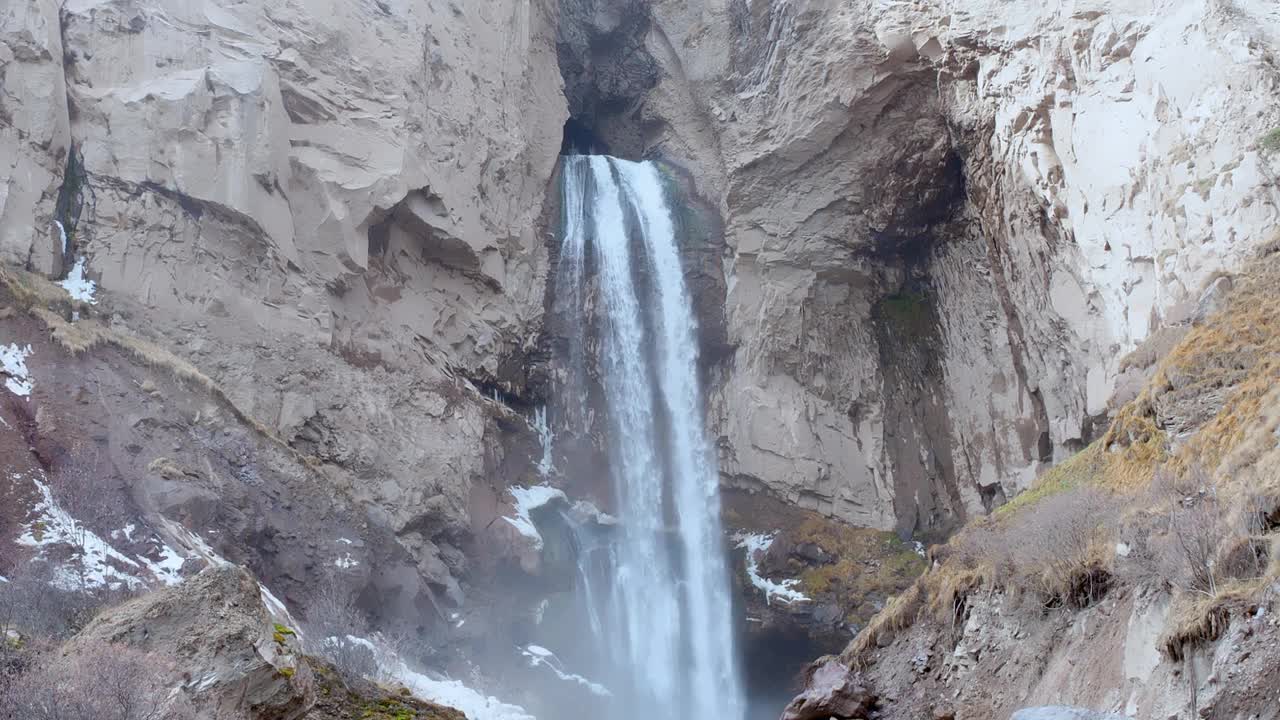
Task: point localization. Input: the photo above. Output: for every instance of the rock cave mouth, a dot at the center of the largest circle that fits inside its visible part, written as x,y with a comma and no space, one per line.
580,138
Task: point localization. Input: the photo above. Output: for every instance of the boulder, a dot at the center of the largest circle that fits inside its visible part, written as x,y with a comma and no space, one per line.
228,655
833,691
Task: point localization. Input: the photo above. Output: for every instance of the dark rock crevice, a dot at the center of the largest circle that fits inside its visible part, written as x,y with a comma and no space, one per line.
607,70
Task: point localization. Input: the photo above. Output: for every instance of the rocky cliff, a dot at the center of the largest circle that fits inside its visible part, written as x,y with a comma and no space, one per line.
945,224
332,212
1139,578
277,273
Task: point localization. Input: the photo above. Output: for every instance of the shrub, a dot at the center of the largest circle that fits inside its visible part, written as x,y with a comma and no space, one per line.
32,605
1270,141
334,629
1187,552
1064,546
98,682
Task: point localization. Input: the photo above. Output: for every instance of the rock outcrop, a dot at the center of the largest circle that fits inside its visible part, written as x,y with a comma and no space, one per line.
947,222
332,215
219,633
35,136
1141,578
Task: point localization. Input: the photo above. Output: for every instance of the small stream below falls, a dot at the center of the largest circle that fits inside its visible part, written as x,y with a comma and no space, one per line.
655,594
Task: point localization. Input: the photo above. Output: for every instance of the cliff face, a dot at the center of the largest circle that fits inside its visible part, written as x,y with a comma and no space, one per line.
333,212
929,233
947,222
1140,577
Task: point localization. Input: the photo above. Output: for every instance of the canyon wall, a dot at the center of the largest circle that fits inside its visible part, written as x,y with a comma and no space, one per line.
933,232
947,223
332,211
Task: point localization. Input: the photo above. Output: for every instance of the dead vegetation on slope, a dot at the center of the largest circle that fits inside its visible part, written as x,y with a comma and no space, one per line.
1182,492
72,325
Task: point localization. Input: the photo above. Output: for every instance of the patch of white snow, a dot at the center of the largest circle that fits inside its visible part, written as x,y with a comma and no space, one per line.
13,363
783,591
542,657
474,704
168,569
79,286
99,564
526,499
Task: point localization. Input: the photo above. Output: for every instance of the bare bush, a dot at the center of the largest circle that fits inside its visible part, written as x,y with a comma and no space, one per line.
97,682
1187,553
336,630
33,604
81,488
1064,543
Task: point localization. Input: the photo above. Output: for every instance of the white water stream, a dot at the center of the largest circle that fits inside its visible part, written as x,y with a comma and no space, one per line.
665,621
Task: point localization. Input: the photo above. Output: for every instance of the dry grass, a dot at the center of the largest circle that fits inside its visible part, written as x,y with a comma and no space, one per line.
869,564
1199,619
1135,448
898,615
1233,358
50,304
1084,467
168,469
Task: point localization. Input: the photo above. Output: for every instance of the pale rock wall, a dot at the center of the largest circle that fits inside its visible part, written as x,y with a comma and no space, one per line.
1007,655
1055,180
34,133
331,208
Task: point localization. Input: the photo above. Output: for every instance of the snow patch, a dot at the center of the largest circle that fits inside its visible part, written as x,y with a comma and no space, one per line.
475,705
542,657
127,531
79,286
275,606
545,439
443,691
100,564
346,562
13,363
784,591
526,499
168,569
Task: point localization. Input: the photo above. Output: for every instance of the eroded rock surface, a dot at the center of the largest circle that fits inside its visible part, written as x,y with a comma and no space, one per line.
331,210
947,223
216,627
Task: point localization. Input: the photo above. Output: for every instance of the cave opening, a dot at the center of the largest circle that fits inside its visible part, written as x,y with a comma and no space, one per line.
581,139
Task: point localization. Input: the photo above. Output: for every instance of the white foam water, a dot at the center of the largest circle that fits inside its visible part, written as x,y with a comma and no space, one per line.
666,618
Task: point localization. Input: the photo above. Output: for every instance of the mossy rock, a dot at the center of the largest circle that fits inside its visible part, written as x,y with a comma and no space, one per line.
339,698
1270,141
908,313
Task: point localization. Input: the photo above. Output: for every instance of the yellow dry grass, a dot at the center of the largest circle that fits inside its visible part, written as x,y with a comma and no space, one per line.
898,614
1199,619
1235,353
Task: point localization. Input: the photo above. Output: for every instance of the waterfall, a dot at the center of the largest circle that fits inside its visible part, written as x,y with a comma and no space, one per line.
666,619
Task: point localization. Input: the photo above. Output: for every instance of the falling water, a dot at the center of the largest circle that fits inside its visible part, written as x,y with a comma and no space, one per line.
666,625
